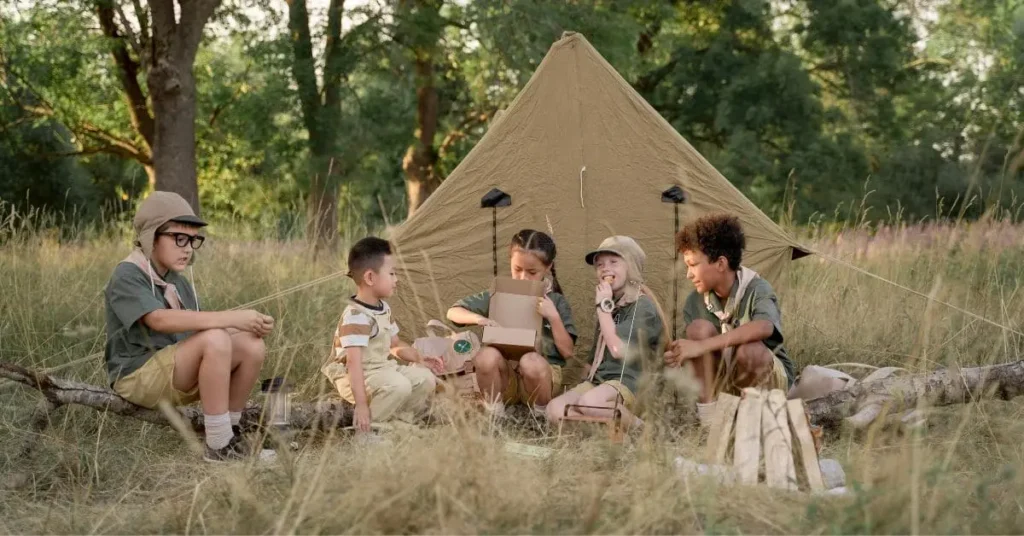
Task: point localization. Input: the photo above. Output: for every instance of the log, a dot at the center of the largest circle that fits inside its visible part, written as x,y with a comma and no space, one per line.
862,404
59,392
869,398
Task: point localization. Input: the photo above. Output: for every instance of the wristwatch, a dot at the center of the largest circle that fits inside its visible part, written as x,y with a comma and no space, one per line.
606,305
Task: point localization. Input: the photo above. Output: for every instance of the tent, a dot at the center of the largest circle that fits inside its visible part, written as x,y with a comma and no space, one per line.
583,156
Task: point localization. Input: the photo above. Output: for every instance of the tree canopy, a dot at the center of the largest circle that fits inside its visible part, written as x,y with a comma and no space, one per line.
325,116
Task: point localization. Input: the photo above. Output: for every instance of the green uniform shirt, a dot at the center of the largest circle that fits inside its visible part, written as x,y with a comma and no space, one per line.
129,296
758,303
480,304
642,333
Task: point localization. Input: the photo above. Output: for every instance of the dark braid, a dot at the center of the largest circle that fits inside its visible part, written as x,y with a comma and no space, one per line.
543,246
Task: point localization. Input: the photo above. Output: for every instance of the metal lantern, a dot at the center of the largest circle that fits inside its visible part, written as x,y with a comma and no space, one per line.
278,401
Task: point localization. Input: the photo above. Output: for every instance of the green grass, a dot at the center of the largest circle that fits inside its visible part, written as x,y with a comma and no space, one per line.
97,473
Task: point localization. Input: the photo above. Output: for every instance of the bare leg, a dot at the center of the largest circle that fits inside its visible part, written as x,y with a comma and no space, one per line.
247,353
205,359
556,407
536,375
605,396
705,367
753,363
491,373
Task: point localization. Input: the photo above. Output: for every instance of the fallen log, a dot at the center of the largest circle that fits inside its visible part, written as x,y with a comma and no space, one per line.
863,403
859,406
60,392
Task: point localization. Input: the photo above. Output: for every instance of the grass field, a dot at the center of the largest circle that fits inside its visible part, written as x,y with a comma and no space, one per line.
107,474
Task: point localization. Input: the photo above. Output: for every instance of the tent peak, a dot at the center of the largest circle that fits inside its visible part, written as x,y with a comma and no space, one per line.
568,34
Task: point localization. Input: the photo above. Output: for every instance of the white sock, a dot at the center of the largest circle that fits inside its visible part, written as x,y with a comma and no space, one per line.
236,417
496,408
706,413
218,430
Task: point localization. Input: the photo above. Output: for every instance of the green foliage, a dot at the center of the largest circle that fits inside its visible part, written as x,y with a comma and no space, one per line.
800,104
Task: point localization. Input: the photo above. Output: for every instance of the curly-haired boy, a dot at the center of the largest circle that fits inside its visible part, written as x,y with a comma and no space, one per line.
733,324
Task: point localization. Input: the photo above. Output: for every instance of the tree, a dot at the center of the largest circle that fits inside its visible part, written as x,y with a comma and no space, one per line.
321,106
156,47
419,29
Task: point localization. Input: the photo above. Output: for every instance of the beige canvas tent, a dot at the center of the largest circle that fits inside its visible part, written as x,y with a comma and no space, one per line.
585,156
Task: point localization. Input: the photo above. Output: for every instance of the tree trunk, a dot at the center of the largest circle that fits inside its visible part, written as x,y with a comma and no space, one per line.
172,88
420,159
320,114
322,206
862,404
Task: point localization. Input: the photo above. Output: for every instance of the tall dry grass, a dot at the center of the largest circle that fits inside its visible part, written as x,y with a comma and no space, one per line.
97,473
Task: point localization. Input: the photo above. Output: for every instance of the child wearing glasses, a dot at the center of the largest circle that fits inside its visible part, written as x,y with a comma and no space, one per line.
161,347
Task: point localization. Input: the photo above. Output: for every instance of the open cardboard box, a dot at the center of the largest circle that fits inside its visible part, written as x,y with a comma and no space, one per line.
514,307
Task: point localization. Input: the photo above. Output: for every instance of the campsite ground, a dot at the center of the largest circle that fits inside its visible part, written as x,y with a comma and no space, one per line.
96,473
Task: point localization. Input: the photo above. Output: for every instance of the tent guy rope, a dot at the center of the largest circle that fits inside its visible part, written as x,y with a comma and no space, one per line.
905,288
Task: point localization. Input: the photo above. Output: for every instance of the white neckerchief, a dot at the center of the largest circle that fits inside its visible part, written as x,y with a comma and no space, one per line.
744,277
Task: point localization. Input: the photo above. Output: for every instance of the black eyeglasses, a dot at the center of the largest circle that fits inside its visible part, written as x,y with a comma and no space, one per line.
180,239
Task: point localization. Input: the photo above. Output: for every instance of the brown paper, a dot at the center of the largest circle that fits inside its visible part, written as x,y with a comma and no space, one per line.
514,307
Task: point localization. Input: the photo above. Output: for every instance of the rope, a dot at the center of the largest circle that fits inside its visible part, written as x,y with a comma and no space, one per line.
860,270
285,292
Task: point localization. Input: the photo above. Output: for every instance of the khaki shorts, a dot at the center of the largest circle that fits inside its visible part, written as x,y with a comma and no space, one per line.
154,382
725,382
628,398
515,392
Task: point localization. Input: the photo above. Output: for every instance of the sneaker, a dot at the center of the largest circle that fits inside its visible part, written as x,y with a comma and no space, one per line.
234,451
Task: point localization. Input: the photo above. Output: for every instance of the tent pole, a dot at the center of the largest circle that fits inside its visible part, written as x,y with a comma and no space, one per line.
494,238
676,196
675,279
494,199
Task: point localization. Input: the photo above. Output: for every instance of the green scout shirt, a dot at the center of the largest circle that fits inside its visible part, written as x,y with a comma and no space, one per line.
642,332
480,304
758,303
128,297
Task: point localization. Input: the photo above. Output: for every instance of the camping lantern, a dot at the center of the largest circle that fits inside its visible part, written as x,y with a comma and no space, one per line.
278,402
492,200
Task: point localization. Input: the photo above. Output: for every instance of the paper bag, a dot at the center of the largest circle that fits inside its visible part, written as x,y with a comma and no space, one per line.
514,307
454,348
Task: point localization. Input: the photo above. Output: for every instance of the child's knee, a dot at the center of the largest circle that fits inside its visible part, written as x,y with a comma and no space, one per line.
700,329
423,380
534,367
252,347
752,358
489,359
216,340
400,386
556,409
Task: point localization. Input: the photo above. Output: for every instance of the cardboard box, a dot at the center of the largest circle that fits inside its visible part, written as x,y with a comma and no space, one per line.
514,307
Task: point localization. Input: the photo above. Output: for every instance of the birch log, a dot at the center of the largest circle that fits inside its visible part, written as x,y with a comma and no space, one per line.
61,392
